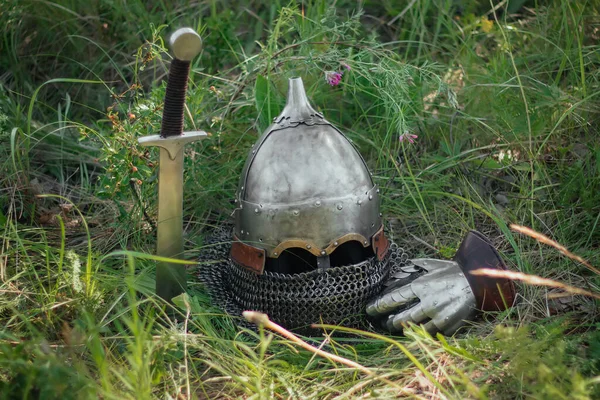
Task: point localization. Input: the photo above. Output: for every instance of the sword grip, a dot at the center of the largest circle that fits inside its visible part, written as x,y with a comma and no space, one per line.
172,121
186,45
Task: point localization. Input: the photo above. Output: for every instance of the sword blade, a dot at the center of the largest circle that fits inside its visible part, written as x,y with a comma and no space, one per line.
170,278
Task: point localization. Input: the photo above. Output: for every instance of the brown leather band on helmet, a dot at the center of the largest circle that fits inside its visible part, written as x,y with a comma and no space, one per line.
491,294
250,257
380,244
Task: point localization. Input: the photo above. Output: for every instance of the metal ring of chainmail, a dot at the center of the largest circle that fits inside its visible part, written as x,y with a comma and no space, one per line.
336,296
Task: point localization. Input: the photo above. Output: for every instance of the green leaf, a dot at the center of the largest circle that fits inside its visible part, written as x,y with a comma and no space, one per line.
144,169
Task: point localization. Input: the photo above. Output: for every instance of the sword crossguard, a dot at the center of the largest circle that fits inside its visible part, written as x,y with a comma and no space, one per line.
172,144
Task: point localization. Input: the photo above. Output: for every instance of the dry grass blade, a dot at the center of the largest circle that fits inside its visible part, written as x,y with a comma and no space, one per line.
546,240
533,280
263,319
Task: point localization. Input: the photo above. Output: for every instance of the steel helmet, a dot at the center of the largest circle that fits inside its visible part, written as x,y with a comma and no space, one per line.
305,190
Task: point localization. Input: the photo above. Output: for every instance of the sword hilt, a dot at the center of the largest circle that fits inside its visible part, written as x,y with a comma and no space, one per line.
186,44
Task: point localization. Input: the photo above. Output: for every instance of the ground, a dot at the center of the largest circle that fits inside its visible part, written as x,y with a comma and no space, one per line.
471,115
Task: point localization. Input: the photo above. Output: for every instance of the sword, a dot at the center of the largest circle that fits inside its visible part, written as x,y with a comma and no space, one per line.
171,278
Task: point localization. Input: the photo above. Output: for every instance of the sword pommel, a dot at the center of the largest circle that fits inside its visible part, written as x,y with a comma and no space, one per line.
186,44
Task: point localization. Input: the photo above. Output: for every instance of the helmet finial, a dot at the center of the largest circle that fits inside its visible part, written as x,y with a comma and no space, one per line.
297,108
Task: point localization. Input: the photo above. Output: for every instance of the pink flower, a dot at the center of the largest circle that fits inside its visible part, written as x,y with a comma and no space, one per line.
333,77
346,66
410,138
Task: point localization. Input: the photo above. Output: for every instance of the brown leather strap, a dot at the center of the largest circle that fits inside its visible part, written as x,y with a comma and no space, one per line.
380,244
249,257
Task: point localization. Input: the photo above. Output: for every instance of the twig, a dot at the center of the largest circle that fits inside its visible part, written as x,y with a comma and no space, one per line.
424,243
397,17
496,8
258,318
532,280
546,240
454,114
141,204
188,310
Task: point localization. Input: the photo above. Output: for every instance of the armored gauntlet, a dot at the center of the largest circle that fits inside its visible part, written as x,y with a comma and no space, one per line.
441,294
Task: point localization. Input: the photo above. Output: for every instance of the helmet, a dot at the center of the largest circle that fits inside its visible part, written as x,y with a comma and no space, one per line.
308,242
306,199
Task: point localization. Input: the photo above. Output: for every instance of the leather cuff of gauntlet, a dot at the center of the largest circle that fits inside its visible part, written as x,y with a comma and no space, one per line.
491,294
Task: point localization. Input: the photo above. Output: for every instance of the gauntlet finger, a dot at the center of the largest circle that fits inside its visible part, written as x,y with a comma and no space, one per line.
414,314
431,327
391,301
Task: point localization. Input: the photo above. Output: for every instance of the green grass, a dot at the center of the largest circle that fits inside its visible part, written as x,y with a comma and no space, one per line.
506,107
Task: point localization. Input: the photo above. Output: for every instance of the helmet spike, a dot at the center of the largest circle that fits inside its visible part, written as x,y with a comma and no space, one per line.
297,108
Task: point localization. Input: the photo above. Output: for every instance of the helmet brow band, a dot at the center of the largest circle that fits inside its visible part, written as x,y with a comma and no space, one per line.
314,249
